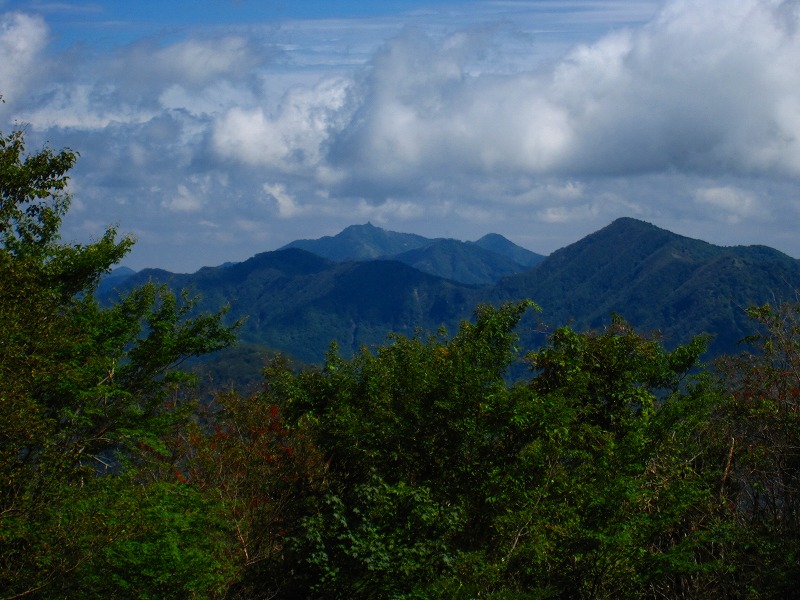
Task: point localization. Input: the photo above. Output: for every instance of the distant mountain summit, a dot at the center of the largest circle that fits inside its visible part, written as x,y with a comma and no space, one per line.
496,243
114,278
486,261
360,242
657,280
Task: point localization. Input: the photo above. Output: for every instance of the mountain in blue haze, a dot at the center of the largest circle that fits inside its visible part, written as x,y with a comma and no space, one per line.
496,243
460,261
484,261
298,302
359,242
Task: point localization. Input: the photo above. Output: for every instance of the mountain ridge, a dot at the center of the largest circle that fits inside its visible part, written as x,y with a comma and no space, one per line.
658,280
486,260
298,302
360,242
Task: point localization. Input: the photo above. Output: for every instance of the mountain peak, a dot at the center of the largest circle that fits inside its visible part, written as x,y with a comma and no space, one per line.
361,242
366,227
624,236
498,244
631,224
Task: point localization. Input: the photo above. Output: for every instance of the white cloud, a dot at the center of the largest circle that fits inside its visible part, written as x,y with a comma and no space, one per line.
192,63
389,211
668,95
730,203
705,87
287,206
253,229
569,190
564,214
199,76
291,140
215,98
182,201
83,106
199,62
22,39
700,88
192,195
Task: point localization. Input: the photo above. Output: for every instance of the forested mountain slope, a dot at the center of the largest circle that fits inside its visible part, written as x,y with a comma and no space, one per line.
462,262
657,280
359,242
500,245
299,302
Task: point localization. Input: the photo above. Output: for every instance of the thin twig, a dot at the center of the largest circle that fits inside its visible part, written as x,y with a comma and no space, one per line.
727,472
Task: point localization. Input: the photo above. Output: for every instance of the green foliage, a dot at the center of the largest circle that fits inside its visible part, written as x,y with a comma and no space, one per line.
626,491
411,434
446,480
162,540
760,424
83,389
32,191
384,540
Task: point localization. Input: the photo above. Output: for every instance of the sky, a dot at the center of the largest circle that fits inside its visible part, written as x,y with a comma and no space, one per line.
211,130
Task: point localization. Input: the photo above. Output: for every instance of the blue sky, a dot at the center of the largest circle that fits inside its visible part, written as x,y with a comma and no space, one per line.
212,130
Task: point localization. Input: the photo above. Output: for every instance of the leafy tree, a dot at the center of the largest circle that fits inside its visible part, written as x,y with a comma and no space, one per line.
445,480
153,539
627,506
258,473
411,434
760,427
83,389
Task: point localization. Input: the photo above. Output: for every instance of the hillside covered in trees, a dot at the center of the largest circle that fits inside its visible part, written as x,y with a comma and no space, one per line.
616,467
365,283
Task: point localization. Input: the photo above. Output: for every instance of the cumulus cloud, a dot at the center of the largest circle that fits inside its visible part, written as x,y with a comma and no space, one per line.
676,94
389,211
730,203
701,88
197,62
22,39
138,82
83,106
193,63
182,200
291,140
287,206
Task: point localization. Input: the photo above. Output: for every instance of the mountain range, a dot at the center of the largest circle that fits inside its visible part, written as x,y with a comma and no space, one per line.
486,260
360,285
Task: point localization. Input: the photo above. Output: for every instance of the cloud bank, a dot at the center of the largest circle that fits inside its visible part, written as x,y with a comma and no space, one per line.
690,119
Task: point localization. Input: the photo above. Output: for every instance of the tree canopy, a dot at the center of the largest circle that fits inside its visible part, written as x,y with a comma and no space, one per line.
84,389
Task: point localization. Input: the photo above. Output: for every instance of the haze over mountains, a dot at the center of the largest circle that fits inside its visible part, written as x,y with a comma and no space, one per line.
360,285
